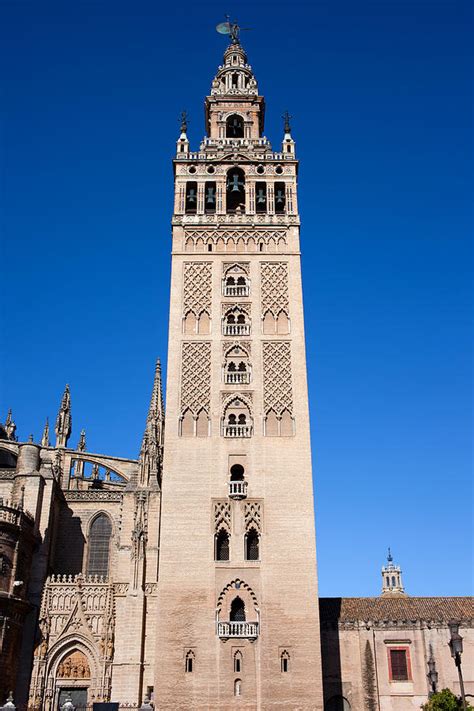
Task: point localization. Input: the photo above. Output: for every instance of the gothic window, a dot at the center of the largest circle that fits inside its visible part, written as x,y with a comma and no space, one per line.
189,662
252,545
191,198
286,424
237,420
271,424
280,198
235,281
260,197
210,197
99,546
190,323
399,666
236,322
235,190
237,610
285,661
222,545
238,662
234,125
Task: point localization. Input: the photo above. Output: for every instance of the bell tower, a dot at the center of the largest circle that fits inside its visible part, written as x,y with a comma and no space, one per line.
238,602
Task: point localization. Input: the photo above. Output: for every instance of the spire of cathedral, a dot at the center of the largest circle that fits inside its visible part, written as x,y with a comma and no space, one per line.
152,443
45,438
392,578
64,420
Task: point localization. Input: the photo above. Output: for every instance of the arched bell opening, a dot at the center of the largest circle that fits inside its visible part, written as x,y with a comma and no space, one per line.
234,125
235,191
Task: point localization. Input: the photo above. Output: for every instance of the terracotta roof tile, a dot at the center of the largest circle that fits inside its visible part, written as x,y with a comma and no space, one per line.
351,609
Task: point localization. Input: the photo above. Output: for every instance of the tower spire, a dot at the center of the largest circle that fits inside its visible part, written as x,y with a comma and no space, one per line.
45,438
64,420
392,578
152,444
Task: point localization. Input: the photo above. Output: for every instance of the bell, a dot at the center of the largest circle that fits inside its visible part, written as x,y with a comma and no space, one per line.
210,197
191,197
279,198
261,197
234,184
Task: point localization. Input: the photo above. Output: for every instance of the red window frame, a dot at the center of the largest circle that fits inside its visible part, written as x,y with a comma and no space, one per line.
393,648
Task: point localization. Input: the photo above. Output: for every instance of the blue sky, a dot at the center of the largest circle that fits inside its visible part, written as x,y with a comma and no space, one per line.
380,94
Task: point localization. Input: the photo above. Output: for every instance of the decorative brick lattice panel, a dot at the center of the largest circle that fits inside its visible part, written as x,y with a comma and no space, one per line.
274,287
196,377
277,385
197,287
222,515
253,516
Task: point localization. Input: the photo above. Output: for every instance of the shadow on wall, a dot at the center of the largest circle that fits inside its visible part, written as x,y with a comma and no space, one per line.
70,544
334,699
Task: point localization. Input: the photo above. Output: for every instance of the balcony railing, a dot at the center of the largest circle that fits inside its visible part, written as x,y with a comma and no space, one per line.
248,630
237,489
236,290
236,329
237,430
237,378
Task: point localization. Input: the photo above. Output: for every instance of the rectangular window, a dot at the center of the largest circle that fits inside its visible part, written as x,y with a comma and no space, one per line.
191,198
399,664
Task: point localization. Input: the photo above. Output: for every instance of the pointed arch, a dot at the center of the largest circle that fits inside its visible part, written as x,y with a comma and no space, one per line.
271,424
190,323
252,545
202,424
189,662
237,610
187,424
285,661
268,323
222,545
204,324
238,662
286,424
282,323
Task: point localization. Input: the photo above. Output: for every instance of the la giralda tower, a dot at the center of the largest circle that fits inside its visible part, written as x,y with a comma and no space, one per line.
238,623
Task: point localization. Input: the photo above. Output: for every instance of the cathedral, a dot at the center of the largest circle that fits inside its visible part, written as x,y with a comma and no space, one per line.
186,579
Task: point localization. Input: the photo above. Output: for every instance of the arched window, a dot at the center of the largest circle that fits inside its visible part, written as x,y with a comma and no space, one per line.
238,687
285,661
260,197
393,581
222,545
234,126
99,546
191,197
210,197
280,198
235,190
252,545
238,662
388,581
237,610
237,472
189,662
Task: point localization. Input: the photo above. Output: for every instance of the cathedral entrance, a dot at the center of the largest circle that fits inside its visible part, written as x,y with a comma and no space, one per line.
78,697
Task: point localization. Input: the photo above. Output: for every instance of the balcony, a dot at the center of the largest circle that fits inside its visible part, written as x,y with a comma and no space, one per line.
242,630
236,329
237,430
236,290
238,489
237,378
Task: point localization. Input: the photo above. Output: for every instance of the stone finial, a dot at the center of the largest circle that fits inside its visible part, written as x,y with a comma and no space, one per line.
392,578
10,704
287,126
64,420
184,122
152,444
81,445
9,427
31,438
45,438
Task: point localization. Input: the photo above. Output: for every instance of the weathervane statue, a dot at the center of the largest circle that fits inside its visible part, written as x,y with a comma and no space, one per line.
230,28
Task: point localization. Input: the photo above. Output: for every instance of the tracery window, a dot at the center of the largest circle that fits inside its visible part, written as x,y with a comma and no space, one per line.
222,545
252,545
99,546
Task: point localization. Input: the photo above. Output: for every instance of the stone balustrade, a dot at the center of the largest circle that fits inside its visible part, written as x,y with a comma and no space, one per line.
236,329
237,489
237,430
242,630
237,378
236,290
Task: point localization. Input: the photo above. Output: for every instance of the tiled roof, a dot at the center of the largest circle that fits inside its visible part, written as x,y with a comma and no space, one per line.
351,609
